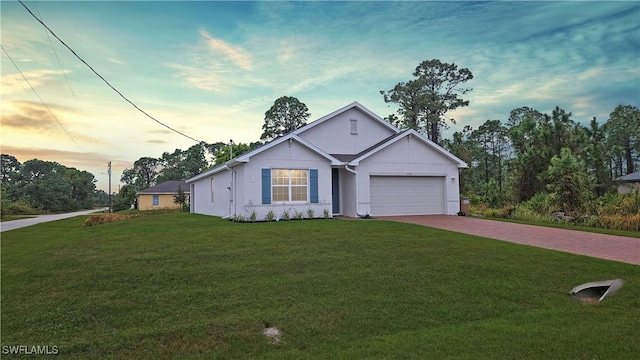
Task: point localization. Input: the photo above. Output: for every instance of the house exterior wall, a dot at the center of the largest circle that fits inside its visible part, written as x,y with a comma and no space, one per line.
238,191
625,188
348,193
145,202
408,157
201,195
334,135
284,156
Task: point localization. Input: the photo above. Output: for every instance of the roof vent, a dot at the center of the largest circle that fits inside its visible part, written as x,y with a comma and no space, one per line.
596,291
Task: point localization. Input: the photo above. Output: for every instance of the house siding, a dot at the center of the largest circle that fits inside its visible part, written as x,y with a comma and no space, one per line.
334,136
247,195
145,202
409,157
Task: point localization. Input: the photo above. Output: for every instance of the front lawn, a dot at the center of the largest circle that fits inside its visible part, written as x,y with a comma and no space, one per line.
190,286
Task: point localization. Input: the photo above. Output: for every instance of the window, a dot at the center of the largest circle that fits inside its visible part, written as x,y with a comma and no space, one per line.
354,126
156,200
289,185
212,192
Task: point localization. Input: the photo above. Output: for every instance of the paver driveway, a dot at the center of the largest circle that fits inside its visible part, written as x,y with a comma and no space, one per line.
611,247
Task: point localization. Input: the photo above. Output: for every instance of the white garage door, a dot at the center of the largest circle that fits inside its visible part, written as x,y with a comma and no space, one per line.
407,195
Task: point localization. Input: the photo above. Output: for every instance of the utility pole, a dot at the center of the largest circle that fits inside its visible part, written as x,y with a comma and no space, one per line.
109,172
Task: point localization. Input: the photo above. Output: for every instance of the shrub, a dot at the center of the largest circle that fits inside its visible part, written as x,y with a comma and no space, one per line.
310,213
104,219
17,208
285,215
298,214
621,222
541,203
271,215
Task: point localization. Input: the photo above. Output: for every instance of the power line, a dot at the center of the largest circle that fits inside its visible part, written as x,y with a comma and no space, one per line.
57,58
42,101
105,80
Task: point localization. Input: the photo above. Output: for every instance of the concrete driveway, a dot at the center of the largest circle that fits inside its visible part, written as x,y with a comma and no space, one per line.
16,224
611,247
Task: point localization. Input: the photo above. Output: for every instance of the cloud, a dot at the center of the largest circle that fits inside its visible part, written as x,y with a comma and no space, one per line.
13,83
80,160
32,117
237,55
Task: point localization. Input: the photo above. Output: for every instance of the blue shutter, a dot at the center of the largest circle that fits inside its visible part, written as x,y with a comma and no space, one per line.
313,182
266,186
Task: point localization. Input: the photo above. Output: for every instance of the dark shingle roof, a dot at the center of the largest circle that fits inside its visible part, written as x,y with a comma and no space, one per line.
167,187
349,157
633,177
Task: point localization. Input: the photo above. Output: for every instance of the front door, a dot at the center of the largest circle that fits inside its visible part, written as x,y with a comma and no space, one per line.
335,191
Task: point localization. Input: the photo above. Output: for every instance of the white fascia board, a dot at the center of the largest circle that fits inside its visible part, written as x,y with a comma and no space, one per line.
354,104
461,164
244,158
208,173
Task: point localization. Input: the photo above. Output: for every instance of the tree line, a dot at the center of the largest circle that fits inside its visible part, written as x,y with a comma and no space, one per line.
531,153
45,186
285,115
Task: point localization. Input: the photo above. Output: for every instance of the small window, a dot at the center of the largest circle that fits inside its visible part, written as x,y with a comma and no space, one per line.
354,126
212,191
156,200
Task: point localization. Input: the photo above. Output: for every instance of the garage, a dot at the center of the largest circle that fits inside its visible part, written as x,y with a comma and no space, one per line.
407,195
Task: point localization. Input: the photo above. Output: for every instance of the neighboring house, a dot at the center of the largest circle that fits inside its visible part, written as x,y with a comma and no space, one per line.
629,183
350,162
161,196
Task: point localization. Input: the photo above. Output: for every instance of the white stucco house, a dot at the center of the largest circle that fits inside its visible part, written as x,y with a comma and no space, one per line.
350,162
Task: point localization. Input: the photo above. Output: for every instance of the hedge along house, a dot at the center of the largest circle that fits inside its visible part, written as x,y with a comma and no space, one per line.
161,196
350,162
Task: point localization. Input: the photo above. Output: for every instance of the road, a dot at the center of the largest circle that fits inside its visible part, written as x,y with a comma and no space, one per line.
16,224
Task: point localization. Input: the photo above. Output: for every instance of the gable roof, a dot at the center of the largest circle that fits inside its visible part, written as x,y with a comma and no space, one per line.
396,137
633,177
244,158
167,187
353,105
335,159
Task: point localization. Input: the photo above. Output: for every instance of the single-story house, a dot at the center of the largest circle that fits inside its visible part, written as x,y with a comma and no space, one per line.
351,162
161,196
629,183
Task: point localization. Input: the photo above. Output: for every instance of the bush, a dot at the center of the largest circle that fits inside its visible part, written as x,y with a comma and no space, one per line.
620,222
104,219
618,204
542,204
16,208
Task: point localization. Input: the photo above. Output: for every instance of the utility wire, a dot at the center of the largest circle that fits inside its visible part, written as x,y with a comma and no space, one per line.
56,54
105,80
42,101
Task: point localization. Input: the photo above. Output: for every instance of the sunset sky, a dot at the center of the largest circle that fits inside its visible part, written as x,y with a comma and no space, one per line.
211,69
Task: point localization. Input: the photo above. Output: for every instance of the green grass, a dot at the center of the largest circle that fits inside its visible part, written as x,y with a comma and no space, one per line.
189,286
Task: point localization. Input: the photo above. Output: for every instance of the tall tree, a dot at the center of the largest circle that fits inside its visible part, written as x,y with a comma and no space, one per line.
596,157
426,99
623,133
143,174
531,157
44,185
182,164
462,146
286,115
491,138
223,154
